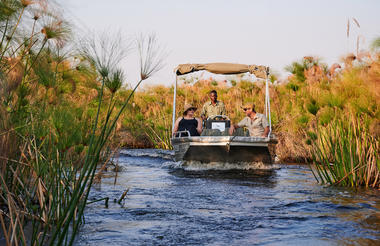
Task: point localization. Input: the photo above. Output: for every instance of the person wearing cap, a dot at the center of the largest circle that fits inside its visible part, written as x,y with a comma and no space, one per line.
256,123
213,107
188,122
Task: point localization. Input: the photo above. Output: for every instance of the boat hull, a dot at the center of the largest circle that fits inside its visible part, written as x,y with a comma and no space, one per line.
224,149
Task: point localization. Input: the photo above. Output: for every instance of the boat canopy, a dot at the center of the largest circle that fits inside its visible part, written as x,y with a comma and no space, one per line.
223,68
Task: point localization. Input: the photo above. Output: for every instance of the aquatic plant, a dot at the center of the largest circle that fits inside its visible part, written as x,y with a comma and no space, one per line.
151,55
48,157
346,154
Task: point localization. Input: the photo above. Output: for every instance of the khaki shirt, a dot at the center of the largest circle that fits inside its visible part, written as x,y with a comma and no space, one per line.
256,125
209,109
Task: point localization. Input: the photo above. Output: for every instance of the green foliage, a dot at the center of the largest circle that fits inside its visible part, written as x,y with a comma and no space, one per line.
364,104
68,130
298,70
272,78
46,76
274,118
115,81
292,86
139,117
312,107
312,135
325,116
347,155
247,86
333,100
168,111
9,10
303,120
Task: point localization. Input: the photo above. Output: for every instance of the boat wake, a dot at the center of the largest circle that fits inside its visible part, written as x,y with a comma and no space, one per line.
200,166
196,165
154,153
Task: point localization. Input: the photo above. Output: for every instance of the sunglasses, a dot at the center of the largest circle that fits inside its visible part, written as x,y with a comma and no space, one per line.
245,109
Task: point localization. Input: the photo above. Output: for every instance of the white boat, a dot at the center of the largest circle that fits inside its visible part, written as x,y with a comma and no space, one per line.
214,144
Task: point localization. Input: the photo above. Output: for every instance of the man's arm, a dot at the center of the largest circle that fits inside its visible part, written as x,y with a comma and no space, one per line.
235,126
266,126
266,131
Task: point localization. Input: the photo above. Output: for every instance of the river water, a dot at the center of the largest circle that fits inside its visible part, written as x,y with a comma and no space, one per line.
168,204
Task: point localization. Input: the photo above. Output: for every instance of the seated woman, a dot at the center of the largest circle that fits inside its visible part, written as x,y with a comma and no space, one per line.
188,122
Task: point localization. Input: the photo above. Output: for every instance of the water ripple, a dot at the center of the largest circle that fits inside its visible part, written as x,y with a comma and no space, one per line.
169,204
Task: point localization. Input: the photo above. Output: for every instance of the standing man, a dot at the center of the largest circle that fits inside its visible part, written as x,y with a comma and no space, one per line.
256,123
213,107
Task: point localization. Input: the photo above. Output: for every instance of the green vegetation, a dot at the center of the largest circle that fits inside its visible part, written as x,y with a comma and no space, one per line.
347,154
58,112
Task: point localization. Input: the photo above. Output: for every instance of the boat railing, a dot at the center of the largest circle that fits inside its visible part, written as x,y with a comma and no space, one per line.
181,134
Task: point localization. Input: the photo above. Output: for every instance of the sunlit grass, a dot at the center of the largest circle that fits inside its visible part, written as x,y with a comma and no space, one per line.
347,154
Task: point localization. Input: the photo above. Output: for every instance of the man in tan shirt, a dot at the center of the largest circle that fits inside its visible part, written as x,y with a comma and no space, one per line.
256,123
213,107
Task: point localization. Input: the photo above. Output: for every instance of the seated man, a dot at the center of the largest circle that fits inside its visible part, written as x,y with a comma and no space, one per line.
213,107
256,123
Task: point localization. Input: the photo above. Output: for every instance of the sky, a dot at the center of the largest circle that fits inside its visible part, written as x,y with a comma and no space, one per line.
263,32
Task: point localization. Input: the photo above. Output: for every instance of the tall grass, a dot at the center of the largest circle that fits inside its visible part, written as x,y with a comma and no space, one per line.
56,120
346,154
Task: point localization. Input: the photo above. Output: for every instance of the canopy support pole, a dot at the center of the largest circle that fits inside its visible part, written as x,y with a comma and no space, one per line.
267,104
174,103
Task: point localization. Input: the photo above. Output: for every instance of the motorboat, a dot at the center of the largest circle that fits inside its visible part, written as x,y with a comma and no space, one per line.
215,144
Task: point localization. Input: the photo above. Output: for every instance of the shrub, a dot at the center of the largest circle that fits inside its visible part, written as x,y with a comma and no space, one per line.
311,135
303,120
292,86
312,107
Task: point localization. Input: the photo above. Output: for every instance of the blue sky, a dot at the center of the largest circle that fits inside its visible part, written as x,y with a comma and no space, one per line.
271,32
